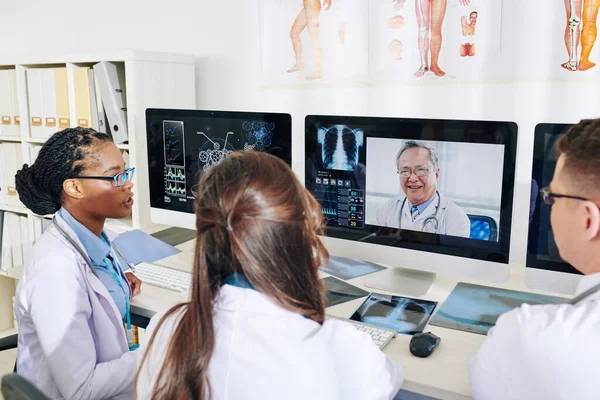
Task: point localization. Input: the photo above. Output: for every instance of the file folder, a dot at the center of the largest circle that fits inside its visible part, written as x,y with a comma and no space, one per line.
26,242
62,98
14,224
36,103
102,121
9,109
15,129
3,188
12,161
83,104
49,105
6,262
112,92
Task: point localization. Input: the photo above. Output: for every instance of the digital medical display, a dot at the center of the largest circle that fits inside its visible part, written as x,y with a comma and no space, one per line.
440,185
184,143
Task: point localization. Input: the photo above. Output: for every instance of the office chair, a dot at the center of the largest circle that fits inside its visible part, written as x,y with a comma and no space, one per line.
483,227
9,342
15,387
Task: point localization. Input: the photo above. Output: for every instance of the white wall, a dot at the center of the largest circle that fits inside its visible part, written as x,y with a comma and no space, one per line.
224,36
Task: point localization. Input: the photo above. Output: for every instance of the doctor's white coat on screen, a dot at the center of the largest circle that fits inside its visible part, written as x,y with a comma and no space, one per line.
452,219
72,343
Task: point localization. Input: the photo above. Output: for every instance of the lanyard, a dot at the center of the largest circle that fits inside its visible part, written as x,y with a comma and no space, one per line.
112,269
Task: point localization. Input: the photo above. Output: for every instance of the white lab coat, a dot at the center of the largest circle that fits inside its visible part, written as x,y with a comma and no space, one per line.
72,344
547,352
265,352
452,219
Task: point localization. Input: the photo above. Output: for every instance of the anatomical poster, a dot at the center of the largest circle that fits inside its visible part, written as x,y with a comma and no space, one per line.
428,40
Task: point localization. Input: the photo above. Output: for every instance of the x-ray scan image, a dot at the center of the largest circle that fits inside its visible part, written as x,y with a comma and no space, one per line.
340,145
402,314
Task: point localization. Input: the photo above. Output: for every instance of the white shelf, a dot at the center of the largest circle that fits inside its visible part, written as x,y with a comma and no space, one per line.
88,58
4,138
14,209
35,140
123,146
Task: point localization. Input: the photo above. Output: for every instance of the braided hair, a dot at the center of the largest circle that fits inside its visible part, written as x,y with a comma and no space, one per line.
40,186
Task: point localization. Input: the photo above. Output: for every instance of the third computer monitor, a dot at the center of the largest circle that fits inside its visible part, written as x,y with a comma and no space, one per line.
438,187
545,269
184,143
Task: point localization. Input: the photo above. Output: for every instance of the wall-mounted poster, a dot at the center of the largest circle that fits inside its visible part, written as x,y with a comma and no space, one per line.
314,41
421,40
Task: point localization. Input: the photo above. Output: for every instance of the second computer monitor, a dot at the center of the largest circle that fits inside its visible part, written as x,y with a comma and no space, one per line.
437,186
184,143
545,268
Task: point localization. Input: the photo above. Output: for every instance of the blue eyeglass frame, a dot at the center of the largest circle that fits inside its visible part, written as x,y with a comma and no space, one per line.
127,174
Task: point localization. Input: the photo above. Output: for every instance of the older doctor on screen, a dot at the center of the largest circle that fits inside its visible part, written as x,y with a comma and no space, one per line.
552,352
423,208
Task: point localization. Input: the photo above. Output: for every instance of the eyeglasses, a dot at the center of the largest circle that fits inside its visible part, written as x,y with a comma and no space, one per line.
120,179
548,197
406,173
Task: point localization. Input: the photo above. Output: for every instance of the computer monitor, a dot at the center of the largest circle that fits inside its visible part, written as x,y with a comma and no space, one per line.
545,269
184,143
356,169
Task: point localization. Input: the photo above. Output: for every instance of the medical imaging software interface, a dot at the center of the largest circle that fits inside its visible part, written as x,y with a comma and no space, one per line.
183,144
457,202
542,252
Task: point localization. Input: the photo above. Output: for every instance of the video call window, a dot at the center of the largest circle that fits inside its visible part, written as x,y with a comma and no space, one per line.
436,185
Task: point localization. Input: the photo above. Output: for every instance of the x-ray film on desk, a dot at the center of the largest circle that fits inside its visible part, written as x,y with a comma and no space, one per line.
338,291
402,314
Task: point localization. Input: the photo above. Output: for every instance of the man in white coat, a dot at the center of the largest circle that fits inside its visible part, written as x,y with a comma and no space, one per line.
552,351
422,208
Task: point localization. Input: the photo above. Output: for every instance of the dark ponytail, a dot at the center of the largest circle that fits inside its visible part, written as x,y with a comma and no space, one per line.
62,157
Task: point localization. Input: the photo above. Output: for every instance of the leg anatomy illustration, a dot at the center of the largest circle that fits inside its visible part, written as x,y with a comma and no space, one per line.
430,17
580,30
308,18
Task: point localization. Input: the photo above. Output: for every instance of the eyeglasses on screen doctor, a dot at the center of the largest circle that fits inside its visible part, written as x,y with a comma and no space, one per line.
120,179
406,173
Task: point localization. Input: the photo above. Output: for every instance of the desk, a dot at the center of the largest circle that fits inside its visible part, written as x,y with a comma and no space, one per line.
443,375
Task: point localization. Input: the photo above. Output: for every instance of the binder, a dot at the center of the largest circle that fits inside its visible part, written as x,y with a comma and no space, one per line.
93,99
33,153
37,228
15,129
62,98
49,105
3,188
36,103
112,92
26,242
6,107
14,224
6,262
102,122
9,105
83,104
13,161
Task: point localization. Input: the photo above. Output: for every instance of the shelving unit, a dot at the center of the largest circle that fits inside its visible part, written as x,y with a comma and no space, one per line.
152,80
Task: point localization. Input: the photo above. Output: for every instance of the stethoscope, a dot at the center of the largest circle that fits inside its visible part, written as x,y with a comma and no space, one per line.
129,331
432,219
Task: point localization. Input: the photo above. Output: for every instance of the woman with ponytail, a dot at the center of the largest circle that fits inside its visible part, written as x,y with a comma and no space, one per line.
254,327
73,295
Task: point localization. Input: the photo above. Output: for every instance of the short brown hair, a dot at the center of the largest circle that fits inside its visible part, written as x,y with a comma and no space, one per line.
580,146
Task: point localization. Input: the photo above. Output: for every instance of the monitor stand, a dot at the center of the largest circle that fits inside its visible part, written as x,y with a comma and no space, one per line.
403,281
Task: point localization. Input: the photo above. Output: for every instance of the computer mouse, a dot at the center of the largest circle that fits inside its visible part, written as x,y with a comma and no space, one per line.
423,344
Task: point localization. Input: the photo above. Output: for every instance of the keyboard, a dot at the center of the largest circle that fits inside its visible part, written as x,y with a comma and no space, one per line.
380,336
163,277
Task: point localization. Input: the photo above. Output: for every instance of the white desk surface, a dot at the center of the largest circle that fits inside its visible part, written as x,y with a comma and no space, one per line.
442,375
